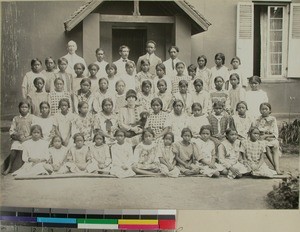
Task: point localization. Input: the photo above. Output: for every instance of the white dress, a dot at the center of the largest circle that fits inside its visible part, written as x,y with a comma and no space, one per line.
167,153
254,99
47,125
176,123
100,155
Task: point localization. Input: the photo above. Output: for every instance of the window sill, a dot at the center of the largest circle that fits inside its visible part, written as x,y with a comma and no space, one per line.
279,79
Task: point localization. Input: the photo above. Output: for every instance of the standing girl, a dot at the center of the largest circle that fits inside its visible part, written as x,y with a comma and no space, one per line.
206,146
83,123
241,122
129,77
229,156
122,157
84,94
36,71
93,70
268,128
164,95
19,132
100,95
166,156
146,96
101,161
219,94
254,150
79,156
157,118
35,154
185,153
143,75
58,94
145,159
67,77
236,68
63,121
79,70
255,96
161,75
204,73
50,73
36,97
180,68
57,154
197,120
111,70
236,93
120,96
184,96
220,70
46,121
200,95
176,120
106,122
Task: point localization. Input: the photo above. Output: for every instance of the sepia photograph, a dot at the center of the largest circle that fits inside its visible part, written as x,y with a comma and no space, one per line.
143,104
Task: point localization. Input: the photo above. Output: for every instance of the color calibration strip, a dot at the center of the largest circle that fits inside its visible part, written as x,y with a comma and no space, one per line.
90,219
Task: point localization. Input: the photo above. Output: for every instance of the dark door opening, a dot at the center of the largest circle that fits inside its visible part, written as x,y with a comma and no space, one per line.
135,39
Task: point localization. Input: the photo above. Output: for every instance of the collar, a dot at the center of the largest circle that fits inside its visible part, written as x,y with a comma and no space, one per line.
268,119
26,116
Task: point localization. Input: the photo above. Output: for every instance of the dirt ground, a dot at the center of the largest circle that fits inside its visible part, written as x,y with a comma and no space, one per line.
143,193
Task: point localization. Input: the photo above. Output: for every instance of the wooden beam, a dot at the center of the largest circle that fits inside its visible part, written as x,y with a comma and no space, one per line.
136,19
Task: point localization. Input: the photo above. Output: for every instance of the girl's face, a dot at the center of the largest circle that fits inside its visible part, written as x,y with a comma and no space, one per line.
85,87
192,73
205,134
36,67
235,63
198,87
24,109
57,143
36,134
64,107
234,81
178,108
107,107
160,72
145,67
148,137
39,84
156,107
219,83
265,111
50,65
111,71
146,89
218,110
103,85
120,88
84,109
254,85
45,110
131,101
62,66
232,136
79,141
241,109
201,62
93,71
162,87
183,88
197,111
78,70
218,62
130,69
168,140
99,140
120,137
59,86
187,136
180,69
254,136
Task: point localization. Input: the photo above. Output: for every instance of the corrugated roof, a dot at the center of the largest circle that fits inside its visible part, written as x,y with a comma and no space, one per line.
91,5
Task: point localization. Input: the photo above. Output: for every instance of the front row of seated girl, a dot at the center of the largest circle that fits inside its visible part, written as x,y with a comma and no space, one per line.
187,157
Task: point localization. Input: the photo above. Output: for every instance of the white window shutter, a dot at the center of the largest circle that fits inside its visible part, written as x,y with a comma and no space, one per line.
245,31
294,42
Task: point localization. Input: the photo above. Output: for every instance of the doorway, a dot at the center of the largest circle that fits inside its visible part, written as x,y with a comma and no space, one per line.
134,38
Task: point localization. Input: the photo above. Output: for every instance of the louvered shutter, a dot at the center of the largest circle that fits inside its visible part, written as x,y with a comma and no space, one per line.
294,42
244,43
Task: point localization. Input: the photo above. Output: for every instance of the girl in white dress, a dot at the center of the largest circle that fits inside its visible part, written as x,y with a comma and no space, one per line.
122,157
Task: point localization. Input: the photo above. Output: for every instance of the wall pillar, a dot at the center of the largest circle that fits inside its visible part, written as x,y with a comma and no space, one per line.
91,37
183,38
